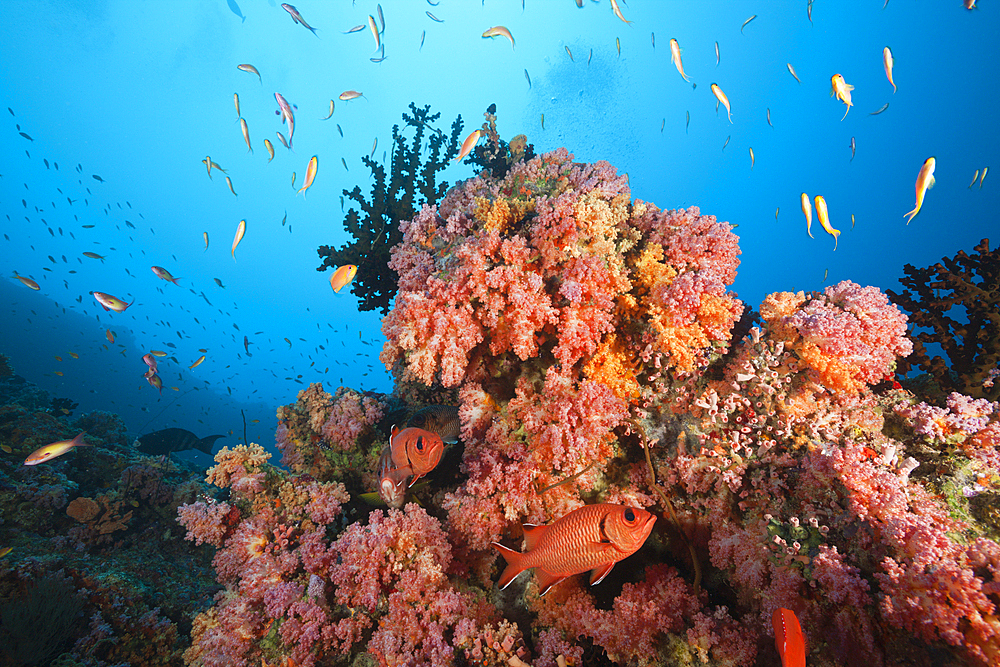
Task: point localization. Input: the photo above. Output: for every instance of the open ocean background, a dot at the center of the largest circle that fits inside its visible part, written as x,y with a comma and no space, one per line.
139,92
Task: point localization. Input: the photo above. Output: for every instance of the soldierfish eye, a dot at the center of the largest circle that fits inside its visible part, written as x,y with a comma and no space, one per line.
629,515
420,444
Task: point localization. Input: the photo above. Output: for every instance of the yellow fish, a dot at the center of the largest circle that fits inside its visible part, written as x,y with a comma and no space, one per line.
236,101
887,64
842,90
341,278
807,210
93,255
675,58
721,96
374,29
197,362
310,175
158,353
925,181
205,235
240,231
230,184
246,134
74,355
751,158
500,31
51,451
824,219
270,149
250,69
330,115
110,335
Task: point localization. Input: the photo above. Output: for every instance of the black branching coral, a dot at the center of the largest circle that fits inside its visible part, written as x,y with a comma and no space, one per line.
375,228
956,305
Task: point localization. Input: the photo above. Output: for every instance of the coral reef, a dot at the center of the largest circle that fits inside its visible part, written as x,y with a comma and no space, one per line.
956,306
596,355
95,571
412,183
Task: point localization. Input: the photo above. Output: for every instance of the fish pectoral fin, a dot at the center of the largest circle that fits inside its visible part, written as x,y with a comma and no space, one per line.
930,182
598,573
547,580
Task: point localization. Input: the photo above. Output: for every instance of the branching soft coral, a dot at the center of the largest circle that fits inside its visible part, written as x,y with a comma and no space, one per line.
956,304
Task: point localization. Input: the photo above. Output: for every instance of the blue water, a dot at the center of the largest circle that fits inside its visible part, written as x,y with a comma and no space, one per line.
139,92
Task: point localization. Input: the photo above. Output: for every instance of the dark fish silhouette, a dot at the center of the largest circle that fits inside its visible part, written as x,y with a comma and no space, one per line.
25,136
440,419
235,9
97,178
169,440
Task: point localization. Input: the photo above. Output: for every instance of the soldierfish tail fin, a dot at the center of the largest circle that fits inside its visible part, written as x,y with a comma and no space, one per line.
206,443
514,564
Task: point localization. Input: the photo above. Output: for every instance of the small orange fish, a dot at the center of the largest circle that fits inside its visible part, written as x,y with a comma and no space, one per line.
500,31
617,11
111,302
51,451
310,175
675,58
342,277
350,95
158,353
74,355
155,381
887,64
593,537
164,274
788,638
229,182
721,96
28,282
807,210
925,181
241,229
250,69
110,335
842,90
415,451
197,362
824,219
468,144
270,149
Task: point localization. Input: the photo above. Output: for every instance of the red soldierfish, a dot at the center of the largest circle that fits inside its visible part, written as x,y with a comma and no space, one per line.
593,537
111,302
297,17
414,451
48,452
391,481
287,116
788,638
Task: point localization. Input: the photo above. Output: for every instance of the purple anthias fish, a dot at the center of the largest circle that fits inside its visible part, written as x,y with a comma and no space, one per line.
286,115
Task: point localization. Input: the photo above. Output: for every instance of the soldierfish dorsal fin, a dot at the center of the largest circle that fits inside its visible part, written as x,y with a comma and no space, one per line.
532,535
